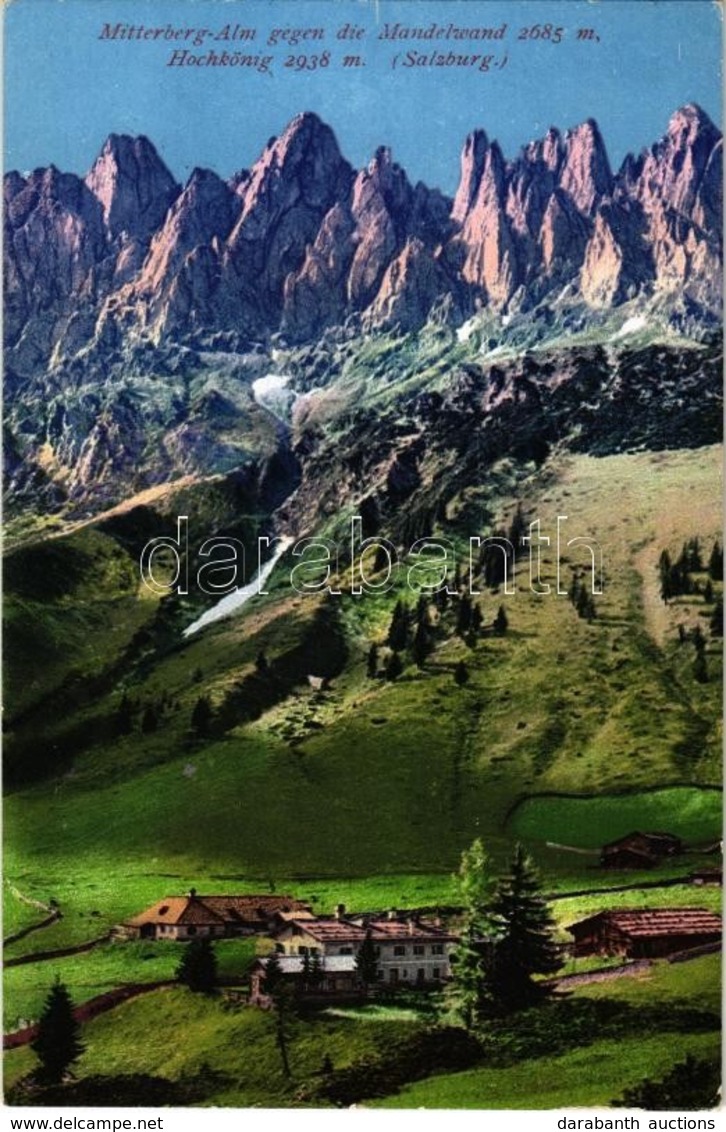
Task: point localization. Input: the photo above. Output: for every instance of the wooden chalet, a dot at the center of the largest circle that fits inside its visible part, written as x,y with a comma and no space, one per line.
712,876
645,933
640,850
193,916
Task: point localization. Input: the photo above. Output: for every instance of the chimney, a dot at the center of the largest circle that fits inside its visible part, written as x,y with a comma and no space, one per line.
340,911
410,925
192,893
392,914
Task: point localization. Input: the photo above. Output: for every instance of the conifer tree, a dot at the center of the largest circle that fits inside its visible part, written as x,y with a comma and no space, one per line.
422,644
279,990
57,1044
715,563
149,720
399,628
201,717
665,567
372,662
501,622
317,971
700,668
394,666
461,674
198,966
463,619
525,943
716,621
469,992
366,962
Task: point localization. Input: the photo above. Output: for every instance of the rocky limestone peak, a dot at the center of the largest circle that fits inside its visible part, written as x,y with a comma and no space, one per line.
490,254
206,208
547,151
585,175
13,183
690,122
133,184
472,166
304,165
384,183
492,185
672,170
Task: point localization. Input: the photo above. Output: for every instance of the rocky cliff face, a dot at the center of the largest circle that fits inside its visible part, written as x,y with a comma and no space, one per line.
301,242
138,311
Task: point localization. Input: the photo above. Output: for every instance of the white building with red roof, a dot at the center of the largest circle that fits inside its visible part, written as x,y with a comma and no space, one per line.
408,951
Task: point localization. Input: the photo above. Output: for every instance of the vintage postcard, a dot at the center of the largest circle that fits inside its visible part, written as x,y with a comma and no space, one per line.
363,568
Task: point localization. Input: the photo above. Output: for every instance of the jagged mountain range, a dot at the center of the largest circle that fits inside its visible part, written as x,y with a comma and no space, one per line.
138,311
301,241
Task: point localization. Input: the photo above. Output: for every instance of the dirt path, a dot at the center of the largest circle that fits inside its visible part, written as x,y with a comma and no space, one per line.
101,1004
52,911
604,975
56,953
91,1009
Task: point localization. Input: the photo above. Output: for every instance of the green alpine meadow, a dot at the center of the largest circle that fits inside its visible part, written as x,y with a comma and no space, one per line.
363,600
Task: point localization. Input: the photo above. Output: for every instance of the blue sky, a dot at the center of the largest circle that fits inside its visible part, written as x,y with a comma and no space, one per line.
66,89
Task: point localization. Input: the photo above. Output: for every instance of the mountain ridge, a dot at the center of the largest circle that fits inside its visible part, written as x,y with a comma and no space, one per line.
302,241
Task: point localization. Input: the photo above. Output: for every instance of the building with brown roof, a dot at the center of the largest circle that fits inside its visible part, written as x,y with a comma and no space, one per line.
645,933
191,916
640,850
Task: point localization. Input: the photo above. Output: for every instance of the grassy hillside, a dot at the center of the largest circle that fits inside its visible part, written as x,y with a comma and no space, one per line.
567,734
555,705
596,1072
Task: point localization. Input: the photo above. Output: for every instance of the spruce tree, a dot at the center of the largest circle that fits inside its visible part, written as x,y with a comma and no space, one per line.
463,618
317,971
273,973
366,962
700,668
394,666
461,674
149,720
421,646
372,662
501,622
525,943
665,567
715,563
198,966
398,630
280,991
305,974
716,621
201,717
57,1044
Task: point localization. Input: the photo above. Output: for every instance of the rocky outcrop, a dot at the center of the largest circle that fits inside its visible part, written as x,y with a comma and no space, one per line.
133,186
300,242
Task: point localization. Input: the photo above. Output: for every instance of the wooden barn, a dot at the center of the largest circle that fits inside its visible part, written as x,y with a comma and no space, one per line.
640,850
645,933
